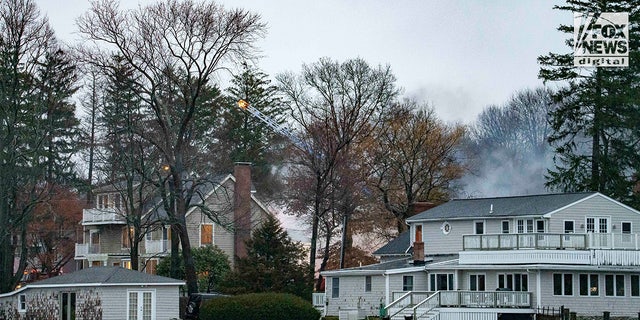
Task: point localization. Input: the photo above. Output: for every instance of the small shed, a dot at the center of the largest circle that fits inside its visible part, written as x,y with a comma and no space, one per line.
99,293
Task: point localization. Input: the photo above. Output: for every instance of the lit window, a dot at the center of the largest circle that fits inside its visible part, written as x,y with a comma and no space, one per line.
206,234
126,263
589,285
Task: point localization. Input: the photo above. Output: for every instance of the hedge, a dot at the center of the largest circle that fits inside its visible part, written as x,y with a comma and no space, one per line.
259,306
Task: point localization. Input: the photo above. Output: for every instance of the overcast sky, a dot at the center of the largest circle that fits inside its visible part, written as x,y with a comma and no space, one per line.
460,56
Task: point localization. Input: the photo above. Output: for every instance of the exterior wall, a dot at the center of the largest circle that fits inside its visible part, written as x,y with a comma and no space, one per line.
352,295
597,206
591,305
111,302
436,242
221,203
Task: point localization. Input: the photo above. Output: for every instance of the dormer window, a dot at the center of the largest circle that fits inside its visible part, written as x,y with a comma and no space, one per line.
108,200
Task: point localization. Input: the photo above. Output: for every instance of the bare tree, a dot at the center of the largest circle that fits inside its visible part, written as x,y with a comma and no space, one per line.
413,159
176,47
335,105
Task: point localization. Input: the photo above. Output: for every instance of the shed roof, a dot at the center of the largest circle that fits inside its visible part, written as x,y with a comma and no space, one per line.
532,205
105,276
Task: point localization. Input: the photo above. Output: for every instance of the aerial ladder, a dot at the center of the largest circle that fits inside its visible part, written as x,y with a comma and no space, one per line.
283,130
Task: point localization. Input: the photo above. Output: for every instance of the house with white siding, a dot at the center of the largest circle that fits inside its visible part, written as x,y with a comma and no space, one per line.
106,235
108,293
502,258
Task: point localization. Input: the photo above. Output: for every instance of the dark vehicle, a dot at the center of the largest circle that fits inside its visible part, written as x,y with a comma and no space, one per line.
195,302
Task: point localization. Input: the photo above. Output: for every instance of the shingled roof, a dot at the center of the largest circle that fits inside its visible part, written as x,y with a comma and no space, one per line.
533,205
109,276
398,246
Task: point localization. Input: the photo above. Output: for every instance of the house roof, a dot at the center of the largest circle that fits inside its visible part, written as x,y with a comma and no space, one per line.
398,246
378,268
533,205
105,276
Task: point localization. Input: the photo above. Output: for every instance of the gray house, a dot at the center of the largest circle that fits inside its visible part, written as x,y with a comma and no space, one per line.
104,293
503,258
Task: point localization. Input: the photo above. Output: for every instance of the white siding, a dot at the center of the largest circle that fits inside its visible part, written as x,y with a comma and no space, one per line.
352,295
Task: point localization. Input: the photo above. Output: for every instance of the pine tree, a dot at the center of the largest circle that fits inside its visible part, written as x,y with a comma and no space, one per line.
595,127
274,263
243,137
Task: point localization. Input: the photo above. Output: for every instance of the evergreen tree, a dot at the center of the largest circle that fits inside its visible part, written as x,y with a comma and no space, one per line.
274,263
595,127
245,138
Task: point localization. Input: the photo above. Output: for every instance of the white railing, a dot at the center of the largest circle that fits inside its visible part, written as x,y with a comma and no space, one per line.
109,215
156,246
581,257
575,241
84,249
422,303
318,299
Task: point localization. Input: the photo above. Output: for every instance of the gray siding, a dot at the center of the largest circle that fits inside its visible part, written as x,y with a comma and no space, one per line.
591,305
597,206
436,242
352,295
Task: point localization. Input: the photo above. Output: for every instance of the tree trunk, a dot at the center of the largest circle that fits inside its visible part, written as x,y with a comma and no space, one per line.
187,257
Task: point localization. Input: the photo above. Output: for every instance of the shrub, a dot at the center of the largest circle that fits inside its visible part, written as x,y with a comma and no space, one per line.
259,306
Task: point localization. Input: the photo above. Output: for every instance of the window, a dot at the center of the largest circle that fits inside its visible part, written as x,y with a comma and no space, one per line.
206,234
22,303
626,227
407,283
614,285
569,226
476,282
141,305
335,287
478,227
127,232
513,281
589,285
441,281
116,201
126,263
367,284
419,233
505,226
562,284
598,224
635,285
520,226
150,266
540,226
67,305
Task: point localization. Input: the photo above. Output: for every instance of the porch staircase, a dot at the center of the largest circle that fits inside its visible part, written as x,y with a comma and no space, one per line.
415,305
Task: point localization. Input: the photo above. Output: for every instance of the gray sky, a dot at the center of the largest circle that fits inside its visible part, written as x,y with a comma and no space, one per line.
459,56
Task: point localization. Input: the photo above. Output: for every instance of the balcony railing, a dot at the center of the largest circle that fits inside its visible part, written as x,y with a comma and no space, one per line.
156,246
554,241
98,216
84,249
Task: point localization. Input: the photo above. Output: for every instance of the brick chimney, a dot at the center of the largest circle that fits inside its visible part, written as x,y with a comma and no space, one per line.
242,207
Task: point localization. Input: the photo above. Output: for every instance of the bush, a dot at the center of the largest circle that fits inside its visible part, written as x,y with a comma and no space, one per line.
259,306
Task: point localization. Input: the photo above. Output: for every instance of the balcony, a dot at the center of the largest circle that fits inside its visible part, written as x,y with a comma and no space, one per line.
89,252
101,216
156,246
536,248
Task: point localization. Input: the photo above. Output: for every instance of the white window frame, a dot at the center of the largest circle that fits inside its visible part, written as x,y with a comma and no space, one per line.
590,285
563,288
564,226
510,282
335,287
508,226
484,226
140,303
367,283
477,282
622,227
433,281
544,225
22,303
404,283
615,285
70,306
